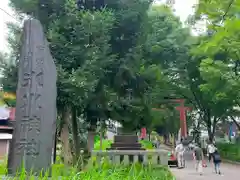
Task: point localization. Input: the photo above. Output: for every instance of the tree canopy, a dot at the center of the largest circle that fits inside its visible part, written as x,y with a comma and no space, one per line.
120,59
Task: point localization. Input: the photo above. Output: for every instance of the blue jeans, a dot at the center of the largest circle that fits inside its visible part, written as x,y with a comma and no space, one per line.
217,167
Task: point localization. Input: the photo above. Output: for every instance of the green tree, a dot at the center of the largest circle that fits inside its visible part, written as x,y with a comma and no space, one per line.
9,62
220,67
115,62
93,50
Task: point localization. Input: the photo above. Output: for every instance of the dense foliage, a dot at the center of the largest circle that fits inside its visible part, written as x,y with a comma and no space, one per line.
105,172
229,151
220,67
133,172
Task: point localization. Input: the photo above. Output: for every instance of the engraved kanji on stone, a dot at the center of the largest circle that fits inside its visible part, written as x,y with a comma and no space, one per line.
35,120
26,79
24,104
24,124
35,125
39,65
39,78
40,58
26,75
40,48
33,137
31,124
29,147
24,101
39,84
27,62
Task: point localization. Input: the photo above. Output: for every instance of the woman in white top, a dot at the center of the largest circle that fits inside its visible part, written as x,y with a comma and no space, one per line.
211,149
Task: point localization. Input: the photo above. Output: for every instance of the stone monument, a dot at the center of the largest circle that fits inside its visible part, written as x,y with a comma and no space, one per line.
127,142
34,132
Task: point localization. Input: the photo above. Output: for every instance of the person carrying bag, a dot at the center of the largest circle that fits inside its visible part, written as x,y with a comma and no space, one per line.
199,159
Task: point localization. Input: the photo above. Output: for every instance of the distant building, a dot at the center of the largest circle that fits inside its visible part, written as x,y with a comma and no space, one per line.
6,129
112,128
5,139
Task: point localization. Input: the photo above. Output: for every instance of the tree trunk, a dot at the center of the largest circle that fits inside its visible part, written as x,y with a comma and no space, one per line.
76,140
237,124
209,126
210,135
90,143
65,136
55,148
215,120
101,136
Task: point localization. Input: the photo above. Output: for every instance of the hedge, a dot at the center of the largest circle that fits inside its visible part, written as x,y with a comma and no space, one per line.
229,151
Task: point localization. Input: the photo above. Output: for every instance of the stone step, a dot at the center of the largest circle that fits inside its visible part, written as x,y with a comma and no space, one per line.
114,145
126,148
126,138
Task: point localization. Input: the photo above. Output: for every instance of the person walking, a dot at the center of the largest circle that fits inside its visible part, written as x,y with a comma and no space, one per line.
156,143
179,153
198,156
210,150
217,161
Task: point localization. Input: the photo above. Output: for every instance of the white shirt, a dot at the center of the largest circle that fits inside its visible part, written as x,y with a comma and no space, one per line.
179,149
211,148
4,113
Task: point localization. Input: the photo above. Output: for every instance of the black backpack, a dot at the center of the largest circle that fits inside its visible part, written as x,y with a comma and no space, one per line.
216,157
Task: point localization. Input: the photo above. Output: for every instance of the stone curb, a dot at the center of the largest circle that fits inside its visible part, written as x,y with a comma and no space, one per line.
231,162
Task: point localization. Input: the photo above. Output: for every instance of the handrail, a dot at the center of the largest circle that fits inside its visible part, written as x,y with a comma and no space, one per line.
155,157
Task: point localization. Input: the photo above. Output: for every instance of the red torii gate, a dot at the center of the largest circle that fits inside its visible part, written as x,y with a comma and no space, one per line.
182,110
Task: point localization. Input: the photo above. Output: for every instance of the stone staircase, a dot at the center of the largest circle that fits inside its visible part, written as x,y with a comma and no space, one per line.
126,142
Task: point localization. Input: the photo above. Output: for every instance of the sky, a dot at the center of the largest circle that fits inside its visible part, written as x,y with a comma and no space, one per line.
4,18
183,9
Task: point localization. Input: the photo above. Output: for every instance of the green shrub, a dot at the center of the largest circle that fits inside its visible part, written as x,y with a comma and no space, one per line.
57,170
147,144
108,172
136,172
229,151
3,167
105,144
96,138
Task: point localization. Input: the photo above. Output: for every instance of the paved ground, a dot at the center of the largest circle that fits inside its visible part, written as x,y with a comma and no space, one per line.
163,146
189,173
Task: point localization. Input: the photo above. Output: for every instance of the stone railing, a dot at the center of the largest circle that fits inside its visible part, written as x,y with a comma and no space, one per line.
126,157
